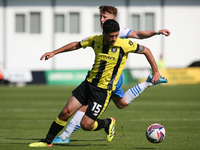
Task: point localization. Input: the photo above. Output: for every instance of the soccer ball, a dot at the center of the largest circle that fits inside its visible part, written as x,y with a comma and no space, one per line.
155,133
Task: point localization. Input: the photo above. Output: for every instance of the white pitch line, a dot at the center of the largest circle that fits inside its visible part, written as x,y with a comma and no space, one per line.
28,120
183,119
29,110
120,120
116,111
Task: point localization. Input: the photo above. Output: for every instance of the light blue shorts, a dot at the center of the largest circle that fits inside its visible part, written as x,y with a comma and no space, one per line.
119,91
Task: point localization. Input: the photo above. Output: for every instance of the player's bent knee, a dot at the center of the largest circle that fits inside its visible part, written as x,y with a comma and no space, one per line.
65,114
86,127
121,105
87,123
120,102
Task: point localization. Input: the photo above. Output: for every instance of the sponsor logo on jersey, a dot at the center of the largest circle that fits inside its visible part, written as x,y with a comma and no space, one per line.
106,57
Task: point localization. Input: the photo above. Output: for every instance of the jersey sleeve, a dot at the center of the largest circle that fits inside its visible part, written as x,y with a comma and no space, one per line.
124,32
130,46
86,42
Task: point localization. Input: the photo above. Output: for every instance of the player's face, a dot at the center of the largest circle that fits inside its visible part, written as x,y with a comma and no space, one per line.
110,38
105,16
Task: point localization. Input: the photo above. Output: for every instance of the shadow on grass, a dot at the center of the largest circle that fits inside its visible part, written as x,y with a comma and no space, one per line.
86,140
40,139
23,139
73,143
142,148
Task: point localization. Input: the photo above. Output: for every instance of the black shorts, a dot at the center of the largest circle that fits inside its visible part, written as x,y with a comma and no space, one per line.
96,98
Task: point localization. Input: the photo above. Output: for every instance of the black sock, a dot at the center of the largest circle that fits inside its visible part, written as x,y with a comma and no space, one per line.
53,131
102,123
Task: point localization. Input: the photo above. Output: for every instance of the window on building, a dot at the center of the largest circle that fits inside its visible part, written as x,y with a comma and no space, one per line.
74,22
20,23
97,25
149,21
59,23
35,22
136,22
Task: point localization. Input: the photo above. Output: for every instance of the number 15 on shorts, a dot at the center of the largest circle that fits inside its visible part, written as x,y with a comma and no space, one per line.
96,109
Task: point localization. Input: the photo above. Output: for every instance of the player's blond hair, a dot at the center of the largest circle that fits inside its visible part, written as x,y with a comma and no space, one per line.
109,9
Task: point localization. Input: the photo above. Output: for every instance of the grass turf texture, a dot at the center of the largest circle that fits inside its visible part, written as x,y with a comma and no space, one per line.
26,114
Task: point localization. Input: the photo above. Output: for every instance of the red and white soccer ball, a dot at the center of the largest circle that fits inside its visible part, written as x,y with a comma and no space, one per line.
155,133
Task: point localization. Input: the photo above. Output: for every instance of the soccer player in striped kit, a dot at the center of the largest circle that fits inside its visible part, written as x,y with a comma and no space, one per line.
110,12
97,89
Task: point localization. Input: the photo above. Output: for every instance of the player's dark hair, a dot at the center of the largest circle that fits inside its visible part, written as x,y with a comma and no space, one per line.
110,25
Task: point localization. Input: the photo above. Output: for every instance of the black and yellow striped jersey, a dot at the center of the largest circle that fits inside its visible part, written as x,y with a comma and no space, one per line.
109,60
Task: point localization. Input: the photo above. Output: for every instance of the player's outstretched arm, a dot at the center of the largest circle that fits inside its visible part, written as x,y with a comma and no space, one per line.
148,34
165,32
156,75
69,47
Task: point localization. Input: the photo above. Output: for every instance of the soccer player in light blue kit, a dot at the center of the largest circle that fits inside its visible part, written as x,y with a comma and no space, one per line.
110,12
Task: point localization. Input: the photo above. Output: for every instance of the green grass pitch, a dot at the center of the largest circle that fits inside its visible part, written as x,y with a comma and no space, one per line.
26,114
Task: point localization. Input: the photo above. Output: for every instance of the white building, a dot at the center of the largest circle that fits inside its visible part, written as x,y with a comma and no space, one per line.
29,28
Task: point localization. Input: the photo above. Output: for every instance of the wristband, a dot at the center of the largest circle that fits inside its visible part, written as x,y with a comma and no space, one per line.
157,32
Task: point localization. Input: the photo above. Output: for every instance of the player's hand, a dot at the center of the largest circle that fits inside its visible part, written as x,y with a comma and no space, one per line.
156,78
165,32
47,55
